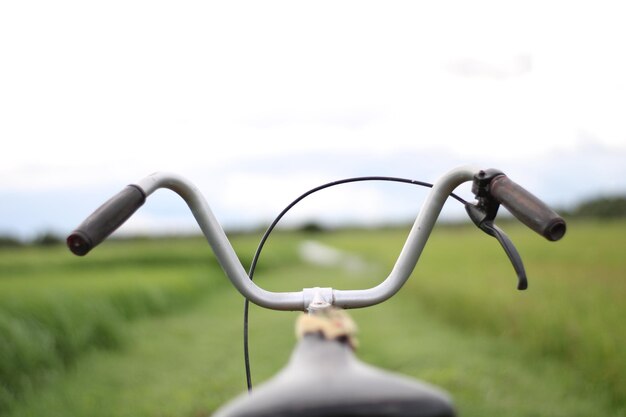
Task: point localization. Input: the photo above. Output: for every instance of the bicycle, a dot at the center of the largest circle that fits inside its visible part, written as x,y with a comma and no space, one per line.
324,377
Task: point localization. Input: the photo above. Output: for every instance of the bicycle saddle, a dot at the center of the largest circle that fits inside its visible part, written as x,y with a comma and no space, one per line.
324,378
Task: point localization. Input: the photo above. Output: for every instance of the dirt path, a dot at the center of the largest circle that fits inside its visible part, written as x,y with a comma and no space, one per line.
317,253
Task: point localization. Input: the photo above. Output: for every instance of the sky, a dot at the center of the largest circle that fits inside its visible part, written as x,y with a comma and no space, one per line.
256,102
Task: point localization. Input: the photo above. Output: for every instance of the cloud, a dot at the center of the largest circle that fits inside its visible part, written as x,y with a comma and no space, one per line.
497,68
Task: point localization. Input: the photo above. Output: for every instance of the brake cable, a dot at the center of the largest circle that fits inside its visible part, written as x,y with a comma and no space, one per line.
273,225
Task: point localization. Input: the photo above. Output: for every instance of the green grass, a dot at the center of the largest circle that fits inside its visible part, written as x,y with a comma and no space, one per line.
54,308
573,310
196,365
459,322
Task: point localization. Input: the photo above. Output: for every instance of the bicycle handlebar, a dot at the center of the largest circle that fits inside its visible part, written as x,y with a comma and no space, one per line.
118,209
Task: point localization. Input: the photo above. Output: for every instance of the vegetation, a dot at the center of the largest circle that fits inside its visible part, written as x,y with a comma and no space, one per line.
602,208
9,241
53,307
459,322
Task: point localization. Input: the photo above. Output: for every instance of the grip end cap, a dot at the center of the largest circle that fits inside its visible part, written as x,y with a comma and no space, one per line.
555,230
79,243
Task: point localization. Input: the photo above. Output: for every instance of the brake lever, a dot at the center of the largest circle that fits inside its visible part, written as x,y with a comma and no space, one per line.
483,214
511,251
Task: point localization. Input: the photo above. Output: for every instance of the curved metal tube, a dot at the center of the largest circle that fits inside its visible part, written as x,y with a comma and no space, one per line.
295,301
412,249
226,256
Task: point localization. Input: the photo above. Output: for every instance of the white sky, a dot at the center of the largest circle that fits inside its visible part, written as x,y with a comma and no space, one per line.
115,90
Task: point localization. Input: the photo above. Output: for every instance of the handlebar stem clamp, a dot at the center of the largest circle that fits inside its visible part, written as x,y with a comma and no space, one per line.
317,298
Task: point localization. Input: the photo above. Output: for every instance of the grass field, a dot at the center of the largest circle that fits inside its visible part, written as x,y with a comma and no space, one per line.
152,328
54,307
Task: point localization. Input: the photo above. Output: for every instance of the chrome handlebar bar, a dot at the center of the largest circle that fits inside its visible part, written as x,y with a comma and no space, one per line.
82,240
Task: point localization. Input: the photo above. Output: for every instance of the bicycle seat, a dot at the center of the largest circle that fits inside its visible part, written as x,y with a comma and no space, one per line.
325,378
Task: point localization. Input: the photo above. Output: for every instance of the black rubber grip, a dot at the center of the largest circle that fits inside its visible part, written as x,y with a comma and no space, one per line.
105,220
530,210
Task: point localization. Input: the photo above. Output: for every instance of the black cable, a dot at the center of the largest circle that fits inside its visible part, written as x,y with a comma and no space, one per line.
269,230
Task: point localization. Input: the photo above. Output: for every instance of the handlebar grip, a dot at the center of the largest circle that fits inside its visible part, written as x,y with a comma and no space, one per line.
105,220
530,210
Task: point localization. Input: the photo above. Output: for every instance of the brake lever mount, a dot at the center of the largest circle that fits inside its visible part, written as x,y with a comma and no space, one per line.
483,214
